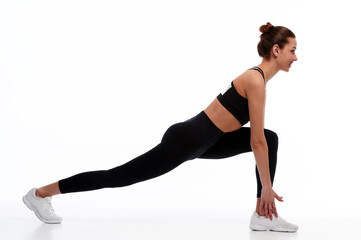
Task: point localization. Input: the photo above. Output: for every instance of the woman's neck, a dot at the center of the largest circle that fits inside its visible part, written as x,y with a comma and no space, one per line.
269,69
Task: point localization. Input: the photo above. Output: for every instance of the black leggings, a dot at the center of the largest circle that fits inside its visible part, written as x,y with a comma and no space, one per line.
197,137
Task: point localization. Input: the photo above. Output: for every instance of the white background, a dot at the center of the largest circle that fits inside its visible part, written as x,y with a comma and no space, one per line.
89,85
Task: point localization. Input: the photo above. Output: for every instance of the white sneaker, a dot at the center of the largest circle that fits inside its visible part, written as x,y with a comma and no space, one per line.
261,223
41,207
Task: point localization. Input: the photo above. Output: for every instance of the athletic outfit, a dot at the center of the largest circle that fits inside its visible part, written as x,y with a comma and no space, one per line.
235,103
196,137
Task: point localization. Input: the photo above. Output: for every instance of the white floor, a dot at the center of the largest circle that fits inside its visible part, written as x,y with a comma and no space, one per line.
18,224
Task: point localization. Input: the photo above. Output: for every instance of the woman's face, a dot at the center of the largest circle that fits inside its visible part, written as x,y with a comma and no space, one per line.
287,55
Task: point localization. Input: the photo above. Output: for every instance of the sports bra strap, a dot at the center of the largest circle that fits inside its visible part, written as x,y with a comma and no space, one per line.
259,70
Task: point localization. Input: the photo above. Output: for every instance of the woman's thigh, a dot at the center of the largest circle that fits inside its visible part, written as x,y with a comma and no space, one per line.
230,144
237,142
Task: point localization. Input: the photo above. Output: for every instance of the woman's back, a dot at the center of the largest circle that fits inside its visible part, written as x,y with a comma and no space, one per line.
222,117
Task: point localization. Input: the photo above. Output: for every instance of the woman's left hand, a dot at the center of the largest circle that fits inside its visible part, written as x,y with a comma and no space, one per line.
267,203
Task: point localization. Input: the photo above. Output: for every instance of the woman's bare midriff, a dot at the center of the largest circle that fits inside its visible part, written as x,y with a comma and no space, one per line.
220,116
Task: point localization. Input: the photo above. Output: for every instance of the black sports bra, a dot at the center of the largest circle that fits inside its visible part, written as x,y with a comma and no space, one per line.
235,103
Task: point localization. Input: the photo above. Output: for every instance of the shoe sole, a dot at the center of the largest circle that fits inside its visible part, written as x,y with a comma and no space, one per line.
262,228
257,228
28,204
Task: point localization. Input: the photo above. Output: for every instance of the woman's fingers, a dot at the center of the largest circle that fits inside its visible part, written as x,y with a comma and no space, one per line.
279,198
266,210
275,210
261,207
270,209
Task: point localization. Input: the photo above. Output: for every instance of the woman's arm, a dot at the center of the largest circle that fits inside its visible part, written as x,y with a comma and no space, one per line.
256,94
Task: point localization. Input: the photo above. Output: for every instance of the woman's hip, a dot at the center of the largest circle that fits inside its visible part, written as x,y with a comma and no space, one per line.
191,138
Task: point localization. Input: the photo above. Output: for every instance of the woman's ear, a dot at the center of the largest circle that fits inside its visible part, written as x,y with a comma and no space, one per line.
276,50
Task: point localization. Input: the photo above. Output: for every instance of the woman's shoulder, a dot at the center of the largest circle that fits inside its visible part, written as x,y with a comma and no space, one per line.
249,76
248,79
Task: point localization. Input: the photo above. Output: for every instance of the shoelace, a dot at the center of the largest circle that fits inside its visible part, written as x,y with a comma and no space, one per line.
49,207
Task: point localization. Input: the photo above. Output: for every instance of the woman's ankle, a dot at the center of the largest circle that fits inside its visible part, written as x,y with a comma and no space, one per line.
38,194
259,213
48,190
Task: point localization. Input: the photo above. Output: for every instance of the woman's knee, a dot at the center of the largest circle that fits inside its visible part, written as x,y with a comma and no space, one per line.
271,137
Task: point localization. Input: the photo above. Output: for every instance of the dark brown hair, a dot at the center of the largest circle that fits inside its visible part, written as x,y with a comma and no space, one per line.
270,36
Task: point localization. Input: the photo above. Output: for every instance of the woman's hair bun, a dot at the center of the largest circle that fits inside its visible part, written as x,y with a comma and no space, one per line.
266,28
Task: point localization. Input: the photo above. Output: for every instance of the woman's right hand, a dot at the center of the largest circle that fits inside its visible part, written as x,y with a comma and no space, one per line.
267,203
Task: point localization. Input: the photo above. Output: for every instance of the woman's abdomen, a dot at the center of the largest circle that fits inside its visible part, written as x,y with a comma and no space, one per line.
220,116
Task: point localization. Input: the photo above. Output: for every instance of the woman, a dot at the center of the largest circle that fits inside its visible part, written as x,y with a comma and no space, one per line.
217,132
